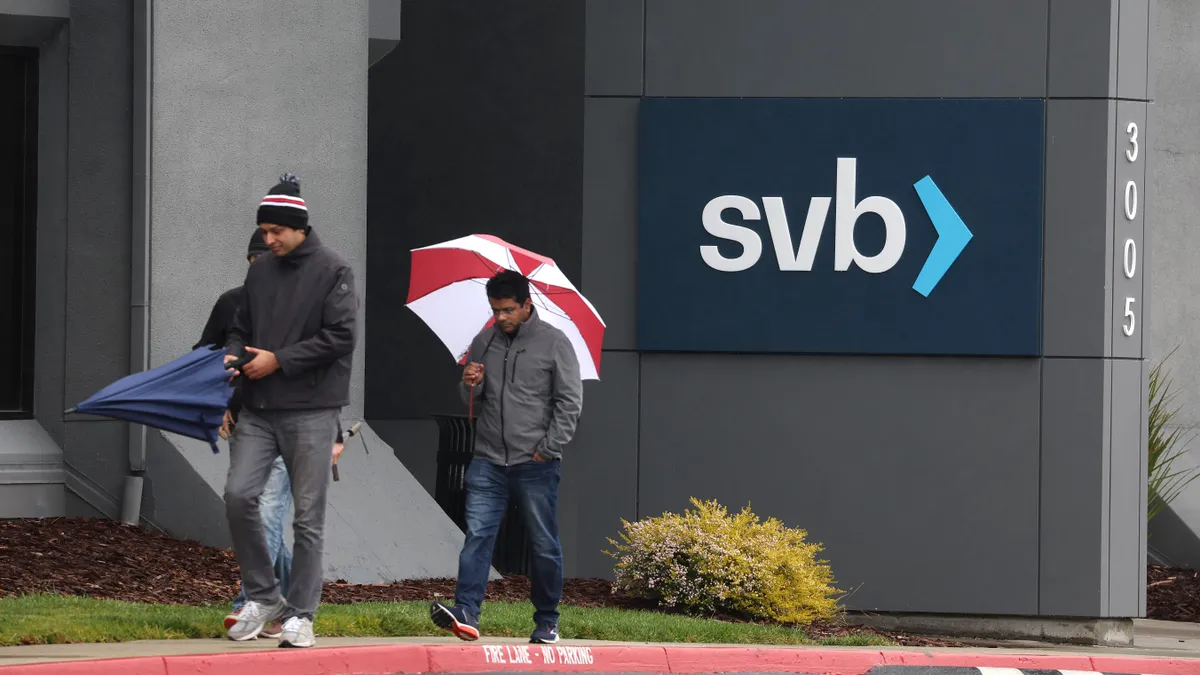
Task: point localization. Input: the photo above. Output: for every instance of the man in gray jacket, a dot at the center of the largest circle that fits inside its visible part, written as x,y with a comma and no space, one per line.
296,323
524,377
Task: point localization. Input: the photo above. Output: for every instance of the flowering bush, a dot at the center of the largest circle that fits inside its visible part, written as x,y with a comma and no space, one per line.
707,562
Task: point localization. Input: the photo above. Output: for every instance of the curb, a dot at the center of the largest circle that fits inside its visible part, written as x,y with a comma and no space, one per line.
419,659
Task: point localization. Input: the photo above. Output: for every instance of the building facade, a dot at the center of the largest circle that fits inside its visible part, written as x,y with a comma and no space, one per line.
876,268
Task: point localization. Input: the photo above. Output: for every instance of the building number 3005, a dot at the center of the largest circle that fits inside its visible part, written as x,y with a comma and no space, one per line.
1129,254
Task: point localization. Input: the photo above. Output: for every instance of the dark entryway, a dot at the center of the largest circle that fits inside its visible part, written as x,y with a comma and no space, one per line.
18,229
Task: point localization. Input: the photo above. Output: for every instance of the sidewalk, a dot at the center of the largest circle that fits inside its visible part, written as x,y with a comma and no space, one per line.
1167,649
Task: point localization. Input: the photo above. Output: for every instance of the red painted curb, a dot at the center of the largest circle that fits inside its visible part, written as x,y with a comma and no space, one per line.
420,659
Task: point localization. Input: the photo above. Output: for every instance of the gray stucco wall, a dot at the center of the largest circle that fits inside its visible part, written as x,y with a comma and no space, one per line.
243,92
1174,202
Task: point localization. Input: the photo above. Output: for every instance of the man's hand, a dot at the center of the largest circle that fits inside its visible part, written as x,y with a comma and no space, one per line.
230,358
473,374
337,451
537,456
263,364
226,426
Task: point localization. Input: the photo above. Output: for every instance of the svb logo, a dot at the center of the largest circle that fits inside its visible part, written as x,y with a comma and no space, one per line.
953,234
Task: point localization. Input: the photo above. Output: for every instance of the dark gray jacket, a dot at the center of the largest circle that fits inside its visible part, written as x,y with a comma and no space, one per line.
531,394
304,308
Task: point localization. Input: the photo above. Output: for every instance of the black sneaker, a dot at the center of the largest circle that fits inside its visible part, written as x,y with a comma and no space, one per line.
546,634
456,620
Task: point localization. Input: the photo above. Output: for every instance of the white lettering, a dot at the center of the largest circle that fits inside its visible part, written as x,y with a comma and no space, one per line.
575,656
781,235
1130,258
1132,129
849,210
1131,199
518,654
1128,328
493,653
716,226
547,655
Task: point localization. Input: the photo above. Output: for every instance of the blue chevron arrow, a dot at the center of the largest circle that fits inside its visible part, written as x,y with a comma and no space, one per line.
953,236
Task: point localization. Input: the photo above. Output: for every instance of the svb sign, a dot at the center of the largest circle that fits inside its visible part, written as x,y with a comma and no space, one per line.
840,226
953,233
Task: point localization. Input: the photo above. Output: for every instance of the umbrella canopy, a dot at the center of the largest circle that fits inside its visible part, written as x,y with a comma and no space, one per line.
187,396
446,289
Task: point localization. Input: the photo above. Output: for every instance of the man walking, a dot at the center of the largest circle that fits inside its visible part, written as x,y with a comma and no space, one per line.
276,498
298,321
524,378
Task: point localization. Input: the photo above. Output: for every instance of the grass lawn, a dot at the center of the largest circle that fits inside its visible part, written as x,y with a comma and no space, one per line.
50,619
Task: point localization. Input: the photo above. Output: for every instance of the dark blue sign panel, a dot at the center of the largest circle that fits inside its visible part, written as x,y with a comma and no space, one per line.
869,226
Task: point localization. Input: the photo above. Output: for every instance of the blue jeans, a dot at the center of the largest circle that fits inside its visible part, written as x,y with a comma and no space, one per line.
273,506
534,486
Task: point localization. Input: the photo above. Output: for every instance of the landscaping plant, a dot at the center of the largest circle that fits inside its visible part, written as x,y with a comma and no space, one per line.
1167,444
711,563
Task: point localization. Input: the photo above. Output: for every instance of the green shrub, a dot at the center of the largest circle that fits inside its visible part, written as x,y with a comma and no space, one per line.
708,562
1166,445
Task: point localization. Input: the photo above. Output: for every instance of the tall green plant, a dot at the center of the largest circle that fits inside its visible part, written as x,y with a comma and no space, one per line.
1167,444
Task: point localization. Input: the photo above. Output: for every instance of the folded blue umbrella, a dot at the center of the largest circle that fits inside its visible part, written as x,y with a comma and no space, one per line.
187,396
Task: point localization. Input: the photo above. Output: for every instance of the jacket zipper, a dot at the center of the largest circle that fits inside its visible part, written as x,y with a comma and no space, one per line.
514,368
503,385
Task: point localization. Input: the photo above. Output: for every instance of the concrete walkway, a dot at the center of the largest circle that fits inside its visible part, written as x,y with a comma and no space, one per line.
1170,648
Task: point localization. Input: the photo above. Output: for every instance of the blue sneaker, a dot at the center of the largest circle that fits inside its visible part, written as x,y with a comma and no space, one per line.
456,620
546,634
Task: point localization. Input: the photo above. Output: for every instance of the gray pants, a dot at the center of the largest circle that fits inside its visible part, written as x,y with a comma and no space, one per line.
305,440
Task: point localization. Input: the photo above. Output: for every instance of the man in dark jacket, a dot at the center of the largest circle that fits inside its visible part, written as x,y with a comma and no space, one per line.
524,379
298,321
276,500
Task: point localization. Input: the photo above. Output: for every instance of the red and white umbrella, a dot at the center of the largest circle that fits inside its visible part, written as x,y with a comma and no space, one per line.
446,289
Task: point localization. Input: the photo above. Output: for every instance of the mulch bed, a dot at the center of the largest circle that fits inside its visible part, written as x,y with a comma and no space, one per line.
100,558
1173,594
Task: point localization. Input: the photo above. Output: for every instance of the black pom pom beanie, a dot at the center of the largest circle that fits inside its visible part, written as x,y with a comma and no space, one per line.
283,205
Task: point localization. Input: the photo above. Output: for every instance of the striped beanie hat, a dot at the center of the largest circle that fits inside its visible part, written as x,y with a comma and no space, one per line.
283,205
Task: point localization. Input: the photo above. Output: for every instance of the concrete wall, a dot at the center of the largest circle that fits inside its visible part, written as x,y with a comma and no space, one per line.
1174,201
242,92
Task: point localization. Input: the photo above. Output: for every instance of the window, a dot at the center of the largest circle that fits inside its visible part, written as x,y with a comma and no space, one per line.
18,233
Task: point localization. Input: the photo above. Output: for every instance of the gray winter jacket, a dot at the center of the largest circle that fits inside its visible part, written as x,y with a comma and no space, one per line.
531,394
304,307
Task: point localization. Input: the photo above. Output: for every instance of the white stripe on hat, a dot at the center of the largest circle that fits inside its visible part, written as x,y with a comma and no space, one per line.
284,200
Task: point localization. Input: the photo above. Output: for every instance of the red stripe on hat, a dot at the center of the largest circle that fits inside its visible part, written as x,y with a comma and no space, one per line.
283,199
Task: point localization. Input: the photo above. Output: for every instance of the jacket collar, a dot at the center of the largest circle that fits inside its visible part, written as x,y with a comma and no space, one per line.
530,327
306,248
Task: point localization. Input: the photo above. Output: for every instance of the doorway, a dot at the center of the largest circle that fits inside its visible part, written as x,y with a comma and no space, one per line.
18,229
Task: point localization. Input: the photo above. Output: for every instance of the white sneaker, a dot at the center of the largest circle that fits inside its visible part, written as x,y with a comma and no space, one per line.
253,618
297,632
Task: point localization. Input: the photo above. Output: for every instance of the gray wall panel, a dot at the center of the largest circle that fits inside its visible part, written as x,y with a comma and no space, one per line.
613,61
99,199
1127,567
1079,184
846,48
476,126
1143,470
600,466
415,443
1128,200
98,451
209,59
32,501
892,445
1083,48
1132,49
177,498
49,371
610,216
1074,474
